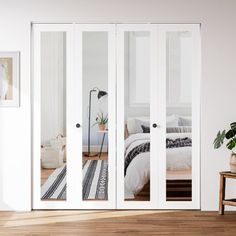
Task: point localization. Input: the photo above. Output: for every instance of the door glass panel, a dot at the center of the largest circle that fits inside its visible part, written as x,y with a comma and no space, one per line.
95,116
137,116
179,116
53,116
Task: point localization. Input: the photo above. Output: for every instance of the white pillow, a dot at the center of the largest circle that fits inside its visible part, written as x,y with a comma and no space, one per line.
172,121
185,121
134,124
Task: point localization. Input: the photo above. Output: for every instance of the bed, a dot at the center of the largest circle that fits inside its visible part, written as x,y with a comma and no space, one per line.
137,157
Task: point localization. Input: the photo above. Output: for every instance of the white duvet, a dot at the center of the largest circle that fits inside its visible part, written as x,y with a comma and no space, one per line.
138,171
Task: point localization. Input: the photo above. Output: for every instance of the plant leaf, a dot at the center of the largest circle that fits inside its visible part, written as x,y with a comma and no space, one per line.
233,126
230,134
96,123
219,140
99,116
231,144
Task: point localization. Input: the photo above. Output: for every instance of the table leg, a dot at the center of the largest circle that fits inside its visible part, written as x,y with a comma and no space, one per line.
222,195
103,137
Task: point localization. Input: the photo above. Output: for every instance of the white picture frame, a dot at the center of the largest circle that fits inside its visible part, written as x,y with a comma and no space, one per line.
9,79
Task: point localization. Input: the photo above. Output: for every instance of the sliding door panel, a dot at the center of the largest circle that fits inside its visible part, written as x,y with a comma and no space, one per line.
97,76
180,58
52,68
134,132
179,116
116,116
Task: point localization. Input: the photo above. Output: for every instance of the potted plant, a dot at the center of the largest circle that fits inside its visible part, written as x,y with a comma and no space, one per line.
101,120
230,136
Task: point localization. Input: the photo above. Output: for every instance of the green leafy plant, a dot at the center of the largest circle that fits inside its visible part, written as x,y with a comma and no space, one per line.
101,119
229,135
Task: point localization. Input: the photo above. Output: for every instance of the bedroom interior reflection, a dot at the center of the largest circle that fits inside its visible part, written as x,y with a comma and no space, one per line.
179,116
94,120
53,116
137,116
95,116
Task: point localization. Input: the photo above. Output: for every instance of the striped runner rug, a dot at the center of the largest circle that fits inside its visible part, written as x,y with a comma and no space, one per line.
95,182
95,179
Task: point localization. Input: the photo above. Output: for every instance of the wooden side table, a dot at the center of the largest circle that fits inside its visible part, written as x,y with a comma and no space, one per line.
223,201
104,132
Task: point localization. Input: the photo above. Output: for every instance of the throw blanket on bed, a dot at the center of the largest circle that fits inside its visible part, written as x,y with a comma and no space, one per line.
145,147
179,142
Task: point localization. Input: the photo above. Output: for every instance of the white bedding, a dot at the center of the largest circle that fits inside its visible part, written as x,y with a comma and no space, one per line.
138,171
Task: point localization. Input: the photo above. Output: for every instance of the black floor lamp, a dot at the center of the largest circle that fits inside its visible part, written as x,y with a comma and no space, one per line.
99,95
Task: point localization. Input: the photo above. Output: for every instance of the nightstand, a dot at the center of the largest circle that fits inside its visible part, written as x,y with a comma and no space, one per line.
222,201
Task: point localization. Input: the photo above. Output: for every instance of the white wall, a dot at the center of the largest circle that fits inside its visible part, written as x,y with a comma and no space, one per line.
218,78
136,67
53,86
179,49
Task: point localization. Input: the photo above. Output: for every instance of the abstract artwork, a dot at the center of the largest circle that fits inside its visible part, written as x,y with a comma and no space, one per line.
9,79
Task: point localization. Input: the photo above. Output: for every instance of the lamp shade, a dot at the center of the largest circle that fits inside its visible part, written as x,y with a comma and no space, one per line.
101,94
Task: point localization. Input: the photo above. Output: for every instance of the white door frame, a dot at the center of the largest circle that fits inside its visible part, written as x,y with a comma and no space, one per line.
157,106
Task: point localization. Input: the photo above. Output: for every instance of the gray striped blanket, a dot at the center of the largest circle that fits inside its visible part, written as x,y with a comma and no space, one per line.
145,147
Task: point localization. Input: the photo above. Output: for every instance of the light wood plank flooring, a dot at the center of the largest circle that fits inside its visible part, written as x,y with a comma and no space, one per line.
104,156
45,173
71,223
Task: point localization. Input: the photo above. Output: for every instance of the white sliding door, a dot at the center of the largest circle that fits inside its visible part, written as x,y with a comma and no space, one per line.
53,81
74,116
179,71
95,109
116,116
158,116
136,172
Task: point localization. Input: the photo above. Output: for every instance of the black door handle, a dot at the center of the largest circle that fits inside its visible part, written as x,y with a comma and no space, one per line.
154,125
78,125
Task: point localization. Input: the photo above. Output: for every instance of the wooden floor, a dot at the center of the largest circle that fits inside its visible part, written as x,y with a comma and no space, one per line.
72,223
104,156
45,173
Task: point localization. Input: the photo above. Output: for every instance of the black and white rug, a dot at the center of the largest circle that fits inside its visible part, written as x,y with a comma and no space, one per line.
95,179
95,182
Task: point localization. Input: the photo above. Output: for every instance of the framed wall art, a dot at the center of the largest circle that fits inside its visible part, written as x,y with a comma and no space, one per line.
9,79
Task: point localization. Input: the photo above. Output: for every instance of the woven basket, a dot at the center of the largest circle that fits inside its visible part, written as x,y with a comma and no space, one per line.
59,142
51,157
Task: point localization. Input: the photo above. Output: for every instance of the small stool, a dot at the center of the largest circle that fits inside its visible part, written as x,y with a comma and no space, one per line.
222,200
